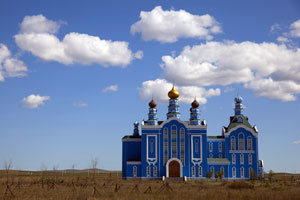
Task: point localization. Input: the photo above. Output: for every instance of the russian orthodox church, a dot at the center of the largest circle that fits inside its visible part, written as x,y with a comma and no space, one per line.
176,148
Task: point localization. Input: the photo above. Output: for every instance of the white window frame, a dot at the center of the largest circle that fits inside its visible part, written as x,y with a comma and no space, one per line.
148,171
233,158
154,171
242,172
134,171
249,143
242,159
182,145
166,146
200,171
250,159
241,142
174,141
233,172
232,143
220,146
193,171
210,147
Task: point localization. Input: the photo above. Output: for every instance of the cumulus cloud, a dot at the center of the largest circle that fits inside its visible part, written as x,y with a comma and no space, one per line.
80,104
295,29
168,26
34,101
111,88
37,35
159,88
263,67
296,142
10,66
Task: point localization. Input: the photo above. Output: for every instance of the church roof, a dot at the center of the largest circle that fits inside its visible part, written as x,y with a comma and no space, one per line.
235,121
131,136
215,137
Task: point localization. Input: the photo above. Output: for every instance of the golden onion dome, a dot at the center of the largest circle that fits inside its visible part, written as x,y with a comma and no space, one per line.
152,103
173,94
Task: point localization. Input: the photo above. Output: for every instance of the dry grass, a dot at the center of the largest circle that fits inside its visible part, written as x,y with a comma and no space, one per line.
78,186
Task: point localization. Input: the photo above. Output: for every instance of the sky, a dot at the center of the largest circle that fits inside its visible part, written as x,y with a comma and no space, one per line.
76,75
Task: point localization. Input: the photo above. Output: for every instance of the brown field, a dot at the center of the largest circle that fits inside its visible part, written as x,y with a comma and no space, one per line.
106,185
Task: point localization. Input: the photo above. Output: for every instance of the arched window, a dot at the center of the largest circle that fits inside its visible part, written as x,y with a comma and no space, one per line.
193,171
165,136
250,159
249,143
241,141
182,146
220,147
233,158
154,171
174,141
134,171
242,158
242,172
233,172
210,147
148,171
200,171
232,143
251,172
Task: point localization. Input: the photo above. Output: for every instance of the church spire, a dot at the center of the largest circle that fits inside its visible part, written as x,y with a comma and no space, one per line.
195,114
152,115
238,105
173,108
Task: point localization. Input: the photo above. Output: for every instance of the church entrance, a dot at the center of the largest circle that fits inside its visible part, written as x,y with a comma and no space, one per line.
174,169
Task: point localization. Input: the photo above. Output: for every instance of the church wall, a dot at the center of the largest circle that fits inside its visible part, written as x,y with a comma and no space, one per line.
131,150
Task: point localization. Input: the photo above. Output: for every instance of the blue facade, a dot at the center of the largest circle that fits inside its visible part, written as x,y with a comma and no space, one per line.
176,148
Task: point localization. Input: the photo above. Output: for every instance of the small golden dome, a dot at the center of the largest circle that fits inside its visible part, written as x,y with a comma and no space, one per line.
173,94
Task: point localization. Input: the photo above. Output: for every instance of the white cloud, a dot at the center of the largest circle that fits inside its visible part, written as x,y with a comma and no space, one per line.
112,88
228,89
262,67
295,29
38,24
80,104
159,88
169,25
296,142
283,39
274,28
34,101
37,36
9,66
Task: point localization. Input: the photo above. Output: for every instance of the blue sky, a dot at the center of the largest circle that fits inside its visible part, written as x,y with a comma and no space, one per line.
76,75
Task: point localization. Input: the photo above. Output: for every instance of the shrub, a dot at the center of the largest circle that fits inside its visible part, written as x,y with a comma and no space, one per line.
240,185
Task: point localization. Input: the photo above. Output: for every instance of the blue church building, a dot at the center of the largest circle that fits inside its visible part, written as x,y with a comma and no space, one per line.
176,148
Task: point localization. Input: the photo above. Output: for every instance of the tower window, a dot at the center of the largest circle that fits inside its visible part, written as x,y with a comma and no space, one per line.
232,143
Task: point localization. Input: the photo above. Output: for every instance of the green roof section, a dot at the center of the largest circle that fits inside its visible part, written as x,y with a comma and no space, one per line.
218,160
235,123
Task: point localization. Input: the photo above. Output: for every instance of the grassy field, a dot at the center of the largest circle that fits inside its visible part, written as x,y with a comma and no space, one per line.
79,185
